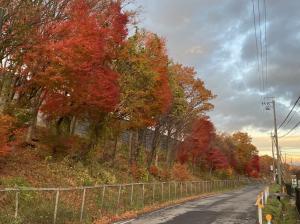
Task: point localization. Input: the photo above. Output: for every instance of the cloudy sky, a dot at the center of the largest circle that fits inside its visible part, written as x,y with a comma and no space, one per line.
217,38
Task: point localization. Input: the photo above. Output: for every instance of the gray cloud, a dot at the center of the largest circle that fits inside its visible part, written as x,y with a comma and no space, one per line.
217,38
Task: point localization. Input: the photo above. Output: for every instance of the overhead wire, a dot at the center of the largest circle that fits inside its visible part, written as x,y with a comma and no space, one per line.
290,131
256,45
289,120
292,109
261,46
266,44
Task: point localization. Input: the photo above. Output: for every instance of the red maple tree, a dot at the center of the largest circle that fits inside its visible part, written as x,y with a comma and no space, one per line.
72,62
253,168
217,160
197,144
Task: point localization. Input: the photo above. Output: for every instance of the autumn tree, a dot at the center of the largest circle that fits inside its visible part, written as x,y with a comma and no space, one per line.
216,160
245,150
226,144
145,92
71,66
196,146
252,167
265,163
191,101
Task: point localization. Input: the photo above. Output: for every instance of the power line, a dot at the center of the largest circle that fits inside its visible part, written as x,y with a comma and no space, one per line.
256,45
292,116
290,130
266,43
289,113
261,45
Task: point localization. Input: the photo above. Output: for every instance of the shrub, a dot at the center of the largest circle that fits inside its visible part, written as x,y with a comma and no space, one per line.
165,174
7,133
154,171
139,173
180,172
134,171
107,177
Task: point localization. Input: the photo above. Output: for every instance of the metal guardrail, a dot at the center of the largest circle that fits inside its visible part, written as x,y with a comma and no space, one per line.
85,204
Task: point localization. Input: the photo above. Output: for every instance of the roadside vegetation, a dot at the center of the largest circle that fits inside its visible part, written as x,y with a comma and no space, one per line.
283,211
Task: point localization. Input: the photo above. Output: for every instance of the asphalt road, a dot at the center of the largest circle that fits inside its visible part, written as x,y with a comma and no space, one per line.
235,207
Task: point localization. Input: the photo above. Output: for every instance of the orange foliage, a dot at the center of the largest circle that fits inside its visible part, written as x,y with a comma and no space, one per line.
180,172
154,170
6,133
164,174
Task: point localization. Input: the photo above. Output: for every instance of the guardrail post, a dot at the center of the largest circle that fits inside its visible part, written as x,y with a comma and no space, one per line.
175,189
207,187
169,191
153,193
17,204
82,204
131,194
143,194
103,194
259,203
186,189
260,215
162,191
181,189
119,195
56,206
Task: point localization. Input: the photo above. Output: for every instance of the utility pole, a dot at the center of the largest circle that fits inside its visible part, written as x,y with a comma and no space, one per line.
276,144
274,168
278,162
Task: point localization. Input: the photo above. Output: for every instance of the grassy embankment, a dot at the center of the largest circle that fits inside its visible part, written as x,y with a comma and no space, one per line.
37,168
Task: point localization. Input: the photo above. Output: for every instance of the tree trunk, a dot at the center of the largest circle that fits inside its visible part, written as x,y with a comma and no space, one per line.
134,146
156,158
32,126
37,102
169,149
140,143
155,142
115,149
57,126
57,133
130,139
94,136
73,125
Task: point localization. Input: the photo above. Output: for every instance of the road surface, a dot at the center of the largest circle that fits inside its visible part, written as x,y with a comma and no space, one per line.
235,207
